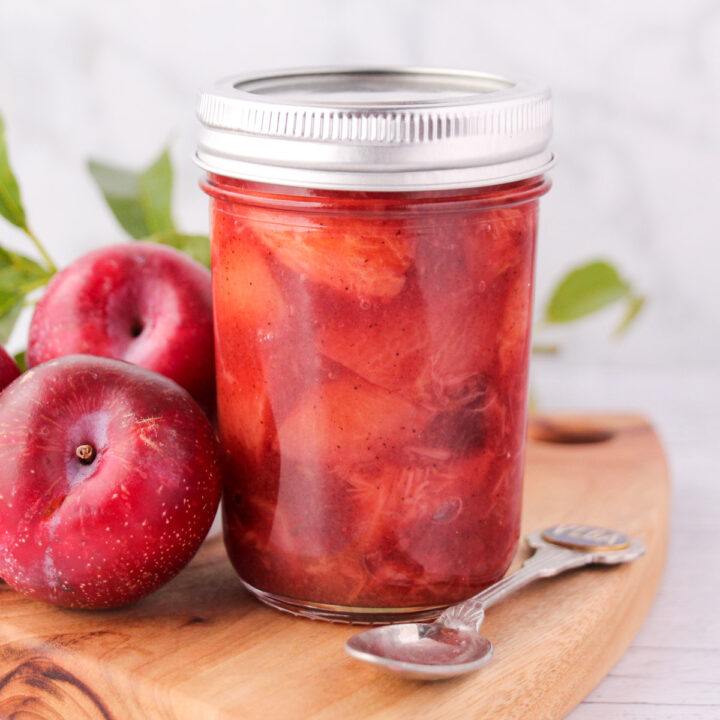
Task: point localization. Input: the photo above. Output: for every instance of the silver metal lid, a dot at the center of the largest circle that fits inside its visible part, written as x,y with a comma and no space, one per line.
380,129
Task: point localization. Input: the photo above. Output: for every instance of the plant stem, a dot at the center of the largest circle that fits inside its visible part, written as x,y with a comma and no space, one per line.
545,349
49,264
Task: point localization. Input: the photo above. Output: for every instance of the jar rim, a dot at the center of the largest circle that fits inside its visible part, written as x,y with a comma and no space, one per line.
416,203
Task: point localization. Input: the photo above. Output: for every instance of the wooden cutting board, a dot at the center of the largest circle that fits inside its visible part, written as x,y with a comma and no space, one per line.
202,649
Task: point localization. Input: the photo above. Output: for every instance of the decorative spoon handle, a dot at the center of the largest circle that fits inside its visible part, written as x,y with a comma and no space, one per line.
557,549
546,562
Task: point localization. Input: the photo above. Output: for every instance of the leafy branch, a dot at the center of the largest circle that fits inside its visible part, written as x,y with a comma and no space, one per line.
19,275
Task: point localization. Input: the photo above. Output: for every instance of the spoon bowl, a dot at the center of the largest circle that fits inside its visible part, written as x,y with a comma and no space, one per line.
423,651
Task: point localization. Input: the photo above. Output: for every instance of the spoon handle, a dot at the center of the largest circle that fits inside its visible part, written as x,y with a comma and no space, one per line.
547,561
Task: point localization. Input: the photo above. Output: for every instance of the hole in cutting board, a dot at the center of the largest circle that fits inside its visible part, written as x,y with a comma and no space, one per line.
570,432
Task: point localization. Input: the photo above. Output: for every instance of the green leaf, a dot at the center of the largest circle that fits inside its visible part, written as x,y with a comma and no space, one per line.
634,305
22,264
21,360
585,290
156,194
196,246
139,200
19,275
121,189
8,320
11,207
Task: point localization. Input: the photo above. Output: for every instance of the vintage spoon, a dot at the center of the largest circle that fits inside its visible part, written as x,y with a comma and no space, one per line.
452,644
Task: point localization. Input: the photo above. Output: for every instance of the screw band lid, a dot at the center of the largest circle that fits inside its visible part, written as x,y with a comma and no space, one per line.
378,129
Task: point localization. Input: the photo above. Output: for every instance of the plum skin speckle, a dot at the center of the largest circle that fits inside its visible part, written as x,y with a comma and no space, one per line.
99,534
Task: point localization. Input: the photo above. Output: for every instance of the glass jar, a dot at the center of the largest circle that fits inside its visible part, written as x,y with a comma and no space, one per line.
373,237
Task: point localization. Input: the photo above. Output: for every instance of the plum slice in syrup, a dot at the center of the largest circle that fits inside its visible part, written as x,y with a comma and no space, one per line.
367,258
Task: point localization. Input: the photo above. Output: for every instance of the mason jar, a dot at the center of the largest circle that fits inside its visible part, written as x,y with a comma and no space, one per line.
373,238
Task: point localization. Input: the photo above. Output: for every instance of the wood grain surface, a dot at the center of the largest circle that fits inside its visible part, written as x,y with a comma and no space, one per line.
202,649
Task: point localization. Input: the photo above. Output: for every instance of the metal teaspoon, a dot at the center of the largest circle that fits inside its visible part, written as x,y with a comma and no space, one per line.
452,644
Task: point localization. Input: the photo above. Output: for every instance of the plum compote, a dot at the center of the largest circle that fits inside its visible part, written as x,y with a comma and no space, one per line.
372,361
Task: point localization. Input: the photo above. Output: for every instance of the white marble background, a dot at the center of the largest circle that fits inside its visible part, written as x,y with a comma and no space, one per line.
637,93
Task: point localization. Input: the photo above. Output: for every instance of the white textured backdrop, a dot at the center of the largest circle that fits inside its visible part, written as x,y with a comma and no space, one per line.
637,93
637,97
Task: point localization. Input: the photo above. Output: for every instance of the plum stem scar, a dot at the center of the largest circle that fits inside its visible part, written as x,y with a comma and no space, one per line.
85,453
